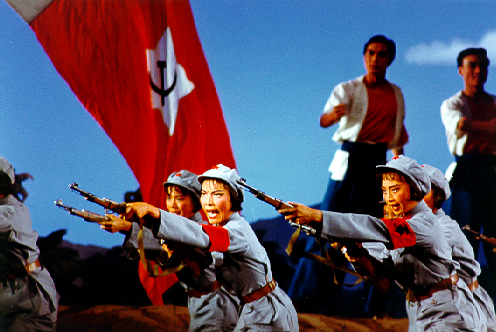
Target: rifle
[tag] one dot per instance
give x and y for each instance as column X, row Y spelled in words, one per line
column 367, row 270
column 489, row 240
column 276, row 203
column 86, row 215
column 108, row 204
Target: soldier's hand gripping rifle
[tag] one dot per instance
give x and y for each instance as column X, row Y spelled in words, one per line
column 108, row 204
column 489, row 240
column 276, row 203
column 86, row 215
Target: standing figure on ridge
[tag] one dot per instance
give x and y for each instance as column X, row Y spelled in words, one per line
column 370, row 111
column 469, row 118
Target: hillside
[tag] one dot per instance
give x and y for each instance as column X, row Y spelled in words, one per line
column 114, row 318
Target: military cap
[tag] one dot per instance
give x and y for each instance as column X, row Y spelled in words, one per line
column 409, row 168
column 437, row 177
column 227, row 175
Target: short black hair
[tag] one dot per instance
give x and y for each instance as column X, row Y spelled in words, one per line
column 234, row 196
column 391, row 46
column 439, row 196
column 6, row 185
column 415, row 192
column 471, row 51
column 186, row 192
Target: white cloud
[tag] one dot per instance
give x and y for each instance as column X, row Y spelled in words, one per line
column 441, row 53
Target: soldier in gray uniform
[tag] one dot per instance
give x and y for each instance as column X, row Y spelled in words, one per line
column 210, row 306
column 242, row 264
column 28, row 299
column 422, row 261
column 463, row 252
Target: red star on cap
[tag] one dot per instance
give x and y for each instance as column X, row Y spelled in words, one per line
column 394, row 158
column 178, row 174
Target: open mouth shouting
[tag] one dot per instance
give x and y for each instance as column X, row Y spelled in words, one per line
column 216, row 202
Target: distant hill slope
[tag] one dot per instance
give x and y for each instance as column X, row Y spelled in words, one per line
column 169, row 318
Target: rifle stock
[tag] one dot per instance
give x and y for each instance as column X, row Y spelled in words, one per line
column 108, row 204
column 275, row 202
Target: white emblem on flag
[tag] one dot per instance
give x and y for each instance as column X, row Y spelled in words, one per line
column 168, row 80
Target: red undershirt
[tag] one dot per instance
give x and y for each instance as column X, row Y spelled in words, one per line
column 380, row 120
column 481, row 142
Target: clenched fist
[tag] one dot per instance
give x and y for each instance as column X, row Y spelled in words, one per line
column 142, row 213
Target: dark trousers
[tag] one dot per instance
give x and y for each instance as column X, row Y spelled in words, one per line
column 359, row 191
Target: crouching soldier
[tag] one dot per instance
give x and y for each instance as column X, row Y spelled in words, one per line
column 420, row 254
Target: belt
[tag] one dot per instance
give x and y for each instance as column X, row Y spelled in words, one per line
column 21, row 272
column 442, row 285
column 472, row 286
column 32, row 266
column 364, row 146
column 259, row 293
column 205, row 290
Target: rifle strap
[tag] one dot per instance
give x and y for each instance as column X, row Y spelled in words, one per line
column 324, row 260
column 153, row 269
column 292, row 241
column 331, row 263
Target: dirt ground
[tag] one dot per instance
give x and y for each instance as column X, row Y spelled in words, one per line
column 114, row 318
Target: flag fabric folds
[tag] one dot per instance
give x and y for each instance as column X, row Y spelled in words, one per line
column 138, row 68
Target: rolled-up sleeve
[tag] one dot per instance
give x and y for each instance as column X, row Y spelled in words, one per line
column 452, row 110
column 340, row 95
column 450, row 116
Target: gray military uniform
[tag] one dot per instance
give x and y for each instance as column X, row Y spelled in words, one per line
column 242, row 269
column 468, row 270
column 469, row 267
column 215, row 311
column 28, row 302
column 417, row 267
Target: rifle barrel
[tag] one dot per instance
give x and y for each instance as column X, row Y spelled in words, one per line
column 275, row 202
column 86, row 215
column 306, row 228
column 105, row 202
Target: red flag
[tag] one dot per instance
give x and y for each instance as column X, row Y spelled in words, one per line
column 155, row 287
column 138, row 67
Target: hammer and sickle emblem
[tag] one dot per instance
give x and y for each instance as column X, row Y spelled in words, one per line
column 163, row 91
column 402, row 229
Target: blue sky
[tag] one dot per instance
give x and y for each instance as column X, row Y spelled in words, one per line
column 274, row 64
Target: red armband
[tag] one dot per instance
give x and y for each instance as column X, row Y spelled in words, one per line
column 401, row 233
column 219, row 237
